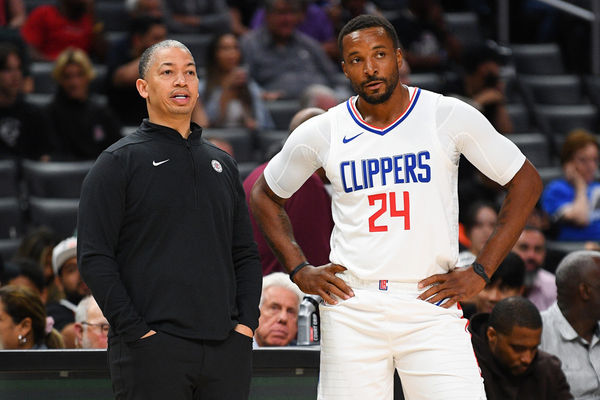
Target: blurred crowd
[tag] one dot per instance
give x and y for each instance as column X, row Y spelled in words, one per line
column 67, row 91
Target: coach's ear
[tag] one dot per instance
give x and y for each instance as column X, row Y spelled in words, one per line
column 142, row 87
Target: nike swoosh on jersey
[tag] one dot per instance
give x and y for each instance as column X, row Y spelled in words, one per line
column 156, row 164
column 352, row 138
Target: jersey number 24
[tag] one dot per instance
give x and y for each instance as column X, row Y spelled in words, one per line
column 382, row 199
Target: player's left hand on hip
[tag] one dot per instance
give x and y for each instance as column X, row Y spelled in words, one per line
column 457, row 285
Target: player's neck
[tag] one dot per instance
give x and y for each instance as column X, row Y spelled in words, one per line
column 381, row 115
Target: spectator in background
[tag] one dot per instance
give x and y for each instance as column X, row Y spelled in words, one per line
column 282, row 60
column 507, row 281
column 428, row 46
column 318, row 96
column 573, row 201
column 197, row 16
column 91, row 326
column 64, row 262
column 23, row 322
column 309, row 210
column 23, row 132
column 122, row 63
column 231, row 98
column 50, row 29
column 37, row 246
column 314, row 22
column 279, row 306
column 241, row 13
column 572, row 324
column 506, row 345
column 12, row 14
column 25, row 273
column 483, row 88
column 341, row 12
column 540, row 287
column 479, row 223
column 136, row 8
column 82, row 126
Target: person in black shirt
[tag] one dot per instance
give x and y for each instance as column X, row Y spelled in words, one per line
column 83, row 127
column 166, row 246
column 22, row 128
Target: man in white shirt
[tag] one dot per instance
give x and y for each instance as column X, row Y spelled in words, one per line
column 390, row 293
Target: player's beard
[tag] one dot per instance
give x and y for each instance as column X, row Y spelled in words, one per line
column 389, row 83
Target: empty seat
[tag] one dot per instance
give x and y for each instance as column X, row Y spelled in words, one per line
column 427, row 81
column 55, row 179
column 58, row 214
column 520, row 118
column 39, row 99
column 11, row 218
column 246, row 167
column 270, row 142
column 8, row 178
column 592, row 88
column 113, row 15
column 197, row 43
column 41, row 72
column 563, row 119
column 465, row 26
column 240, row 139
column 535, row 147
column 8, row 248
column 549, row 174
column 538, row 59
column 282, row 112
column 554, row 89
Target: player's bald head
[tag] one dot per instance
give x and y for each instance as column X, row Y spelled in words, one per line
column 304, row 115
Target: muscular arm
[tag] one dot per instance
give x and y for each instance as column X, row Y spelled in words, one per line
column 523, row 191
column 274, row 222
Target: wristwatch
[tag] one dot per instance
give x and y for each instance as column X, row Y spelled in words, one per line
column 479, row 270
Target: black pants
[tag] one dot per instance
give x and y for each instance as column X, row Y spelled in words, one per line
column 163, row 366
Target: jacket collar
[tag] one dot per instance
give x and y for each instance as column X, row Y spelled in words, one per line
column 166, row 133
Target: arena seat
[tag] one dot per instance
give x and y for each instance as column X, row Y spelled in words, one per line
column 539, row 59
column 41, row 72
column 564, row 118
column 113, row 15
column 554, row 89
column 465, row 26
column 246, row 167
column 8, row 178
column 197, row 43
column 520, row 118
column 592, row 88
column 60, row 180
column 240, row 139
column 282, row 112
column 270, row 142
column 8, row 248
column 535, row 147
column 58, row 214
column 427, row 81
column 11, row 218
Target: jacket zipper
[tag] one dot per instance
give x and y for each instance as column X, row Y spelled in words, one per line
column 196, row 195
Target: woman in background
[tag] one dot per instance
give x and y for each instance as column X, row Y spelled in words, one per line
column 23, row 323
column 230, row 98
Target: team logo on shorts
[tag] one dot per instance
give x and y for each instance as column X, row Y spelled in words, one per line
column 383, row 285
column 217, row 166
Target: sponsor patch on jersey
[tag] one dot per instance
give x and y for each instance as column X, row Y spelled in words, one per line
column 217, row 166
column 383, row 285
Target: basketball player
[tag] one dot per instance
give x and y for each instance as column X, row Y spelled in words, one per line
column 391, row 290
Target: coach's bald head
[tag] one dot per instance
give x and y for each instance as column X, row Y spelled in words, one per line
column 304, row 115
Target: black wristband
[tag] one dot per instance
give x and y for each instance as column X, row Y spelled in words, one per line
column 298, row 268
column 479, row 270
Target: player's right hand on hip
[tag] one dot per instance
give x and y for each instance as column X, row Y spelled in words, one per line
column 323, row 281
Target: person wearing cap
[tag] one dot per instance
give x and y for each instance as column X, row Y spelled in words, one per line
column 68, row 279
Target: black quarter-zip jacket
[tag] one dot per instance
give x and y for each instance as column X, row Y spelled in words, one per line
column 164, row 237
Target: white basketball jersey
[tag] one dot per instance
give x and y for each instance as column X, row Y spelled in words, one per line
column 395, row 201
